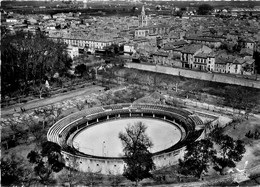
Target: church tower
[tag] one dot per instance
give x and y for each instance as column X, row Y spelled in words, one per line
column 85, row 3
column 143, row 18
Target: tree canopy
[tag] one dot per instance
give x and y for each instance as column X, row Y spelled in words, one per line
column 14, row 171
column 257, row 61
column 30, row 59
column 137, row 157
column 47, row 161
column 81, row 69
column 230, row 150
column 204, row 9
column 218, row 150
column 197, row 158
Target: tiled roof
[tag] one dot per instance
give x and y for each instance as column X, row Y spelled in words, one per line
column 160, row 54
column 191, row 48
column 201, row 55
column 203, row 39
column 173, row 45
column 140, row 40
column 221, row 61
column 178, row 43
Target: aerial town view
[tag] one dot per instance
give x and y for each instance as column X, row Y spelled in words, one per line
column 130, row 93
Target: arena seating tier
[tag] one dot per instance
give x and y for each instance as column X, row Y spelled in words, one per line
column 61, row 131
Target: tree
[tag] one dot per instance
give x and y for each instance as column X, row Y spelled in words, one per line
column 197, row 159
column 256, row 56
column 15, row 172
column 10, row 170
column 138, row 158
column 133, row 9
column 230, row 152
column 204, row 9
column 112, row 50
column 47, row 161
column 81, row 69
column 35, row 129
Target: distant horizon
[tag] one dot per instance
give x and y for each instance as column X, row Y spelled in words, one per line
column 145, row 0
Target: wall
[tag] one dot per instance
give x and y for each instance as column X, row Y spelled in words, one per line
column 94, row 165
column 196, row 74
column 214, row 108
column 116, row 166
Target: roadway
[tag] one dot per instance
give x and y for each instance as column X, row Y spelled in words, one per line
column 7, row 111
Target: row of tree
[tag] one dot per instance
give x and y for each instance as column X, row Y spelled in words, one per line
column 28, row 60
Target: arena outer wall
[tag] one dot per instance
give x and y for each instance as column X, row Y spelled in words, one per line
column 63, row 131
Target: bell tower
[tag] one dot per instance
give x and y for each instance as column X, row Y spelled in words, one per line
column 143, row 18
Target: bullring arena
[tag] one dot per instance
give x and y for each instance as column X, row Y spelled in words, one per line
column 90, row 143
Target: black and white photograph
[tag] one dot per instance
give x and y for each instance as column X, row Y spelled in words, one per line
column 124, row 93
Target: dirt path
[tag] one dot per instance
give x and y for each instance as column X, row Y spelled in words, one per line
column 47, row 101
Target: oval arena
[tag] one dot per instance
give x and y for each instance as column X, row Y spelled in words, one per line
column 90, row 143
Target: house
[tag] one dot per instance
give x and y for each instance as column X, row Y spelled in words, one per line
column 211, row 42
column 129, row 49
column 220, row 66
column 11, row 20
column 246, row 52
column 32, row 21
column 141, row 32
column 250, row 44
column 172, row 45
column 204, row 61
column 234, row 65
column 141, row 42
column 154, row 29
column 73, row 51
column 244, row 66
column 92, row 45
column 233, row 36
column 249, row 67
column 162, row 58
column 188, row 53
column 224, row 62
column 59, row 15
column 173, row 48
